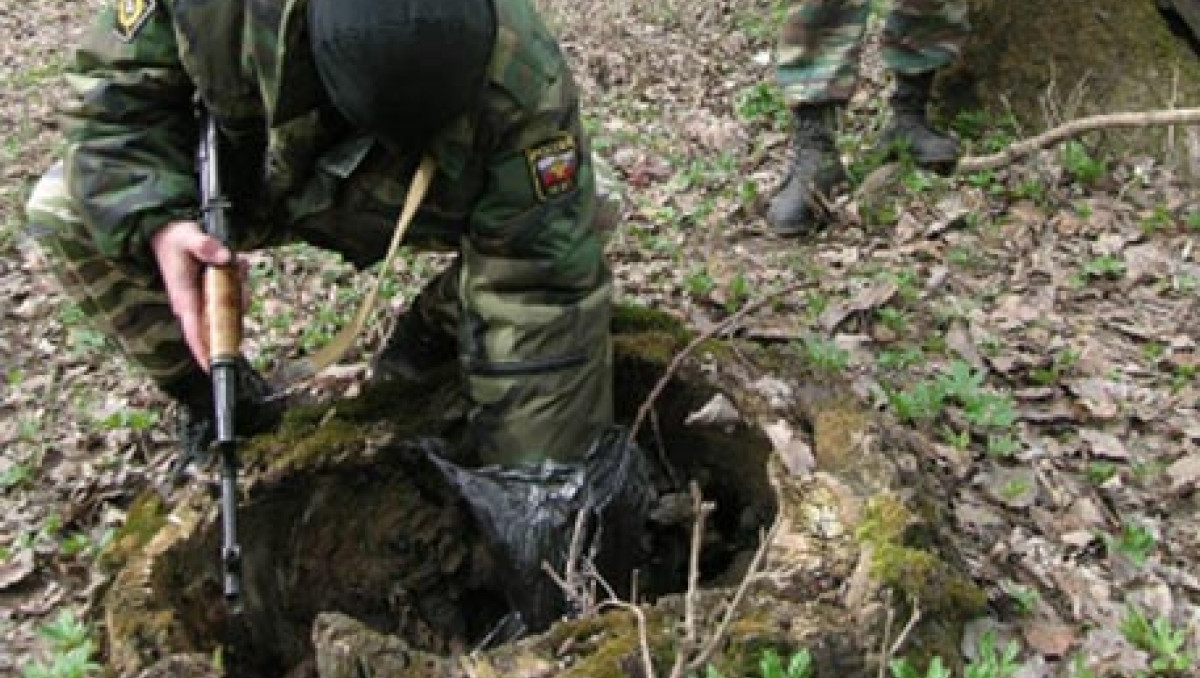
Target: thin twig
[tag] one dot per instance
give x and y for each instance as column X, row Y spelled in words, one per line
column 1180, row 116
column 731, row 611
column 884, row 656
column 912, row 622
column 643, row 635
column 711, row 332
column 689, row 642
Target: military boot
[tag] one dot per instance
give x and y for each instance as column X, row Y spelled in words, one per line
column 413, row 351
column 257, row 411
column 910, row 132
column 800, row 205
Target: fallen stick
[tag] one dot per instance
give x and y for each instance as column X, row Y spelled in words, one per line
column 1180, row 116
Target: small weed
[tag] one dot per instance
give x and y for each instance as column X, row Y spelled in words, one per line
column 1083, row 166
column 764, row 102
column 1059, row 366
column 1159, row 219
column 133, row 419
column 959, row 440
column 816, row 303
column 1104, row 266
column 917, row 181
column 1002, row 446
column 771, row 665
column 15, row 475
column 699, row 283
column 899, row 359
column 70, row 649
column 1160, row 639
column 1192, row 220
column 1135, row 541
column 1100, row 472
column 901, row 668
column 894, row 319
column 923, row 402
column 1025, row 598
column 1182, row 376
column 825, row 354
column 739, row 292
column 992, row 662
column 1080, row 669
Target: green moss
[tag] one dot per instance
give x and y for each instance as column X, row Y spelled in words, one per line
column 318, row 434
column 916, row 572
column 631, row 319
column 146, row 515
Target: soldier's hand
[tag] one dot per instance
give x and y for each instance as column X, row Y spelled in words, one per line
column 183, row 250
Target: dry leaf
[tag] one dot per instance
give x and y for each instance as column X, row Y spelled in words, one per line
column 794, row 452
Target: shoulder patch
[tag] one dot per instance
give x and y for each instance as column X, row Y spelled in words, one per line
column 131, row 15
column 553, row 166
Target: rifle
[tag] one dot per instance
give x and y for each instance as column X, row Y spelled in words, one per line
column 223, row 309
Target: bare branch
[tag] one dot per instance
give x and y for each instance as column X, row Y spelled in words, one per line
column 1181, row 116
column 719, row 328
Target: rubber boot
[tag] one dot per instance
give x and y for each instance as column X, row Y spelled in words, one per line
column 910, row 132
column 800, row 205
column 412, row 352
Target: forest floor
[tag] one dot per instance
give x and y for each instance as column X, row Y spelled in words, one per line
column 1038, row 325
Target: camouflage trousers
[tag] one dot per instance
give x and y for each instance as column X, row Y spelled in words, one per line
column 535, row 350
column 821, row 42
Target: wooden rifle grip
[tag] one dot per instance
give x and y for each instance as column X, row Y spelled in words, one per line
column 223, row 299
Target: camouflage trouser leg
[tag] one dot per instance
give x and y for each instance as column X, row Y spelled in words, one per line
column 537, row 365
column 129, row 306
column 924, row 35
column 821, row 43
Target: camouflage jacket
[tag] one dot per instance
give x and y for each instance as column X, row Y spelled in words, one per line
column 132, row 128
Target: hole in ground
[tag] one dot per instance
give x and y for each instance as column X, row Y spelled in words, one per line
column 380, row 537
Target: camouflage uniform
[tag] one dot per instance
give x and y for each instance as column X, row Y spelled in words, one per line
column 819, row 49
column 526, row 302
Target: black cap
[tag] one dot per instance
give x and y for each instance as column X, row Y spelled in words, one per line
column 402, row 69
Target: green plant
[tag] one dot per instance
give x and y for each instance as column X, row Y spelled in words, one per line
column 902, row 668
column 1025, row 598
column 132, row 418
column 71, row 649
column 739, row 292
column 1103, row 266
column 1135, row 541
column 1079, row 161
column 1160, row 639
column 763, row 102
column 699, row 282
column 1192, row 220
column 894, row 319
column 959, row 440
column 990, row 410
column 923, row 402
column 1062, row 363
column 1159, row 219
column 1080, row 669
column 825, row 354
column 1002, row 446
column 15, row 475
column 898, row 359
column 992, row 662
column 771, row 665
column 1099, row 472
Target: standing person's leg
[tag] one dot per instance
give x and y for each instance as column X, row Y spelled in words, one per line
column 817, row 69
column 919, row 37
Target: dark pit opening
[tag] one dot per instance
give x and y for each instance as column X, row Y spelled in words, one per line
column 380, row 537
